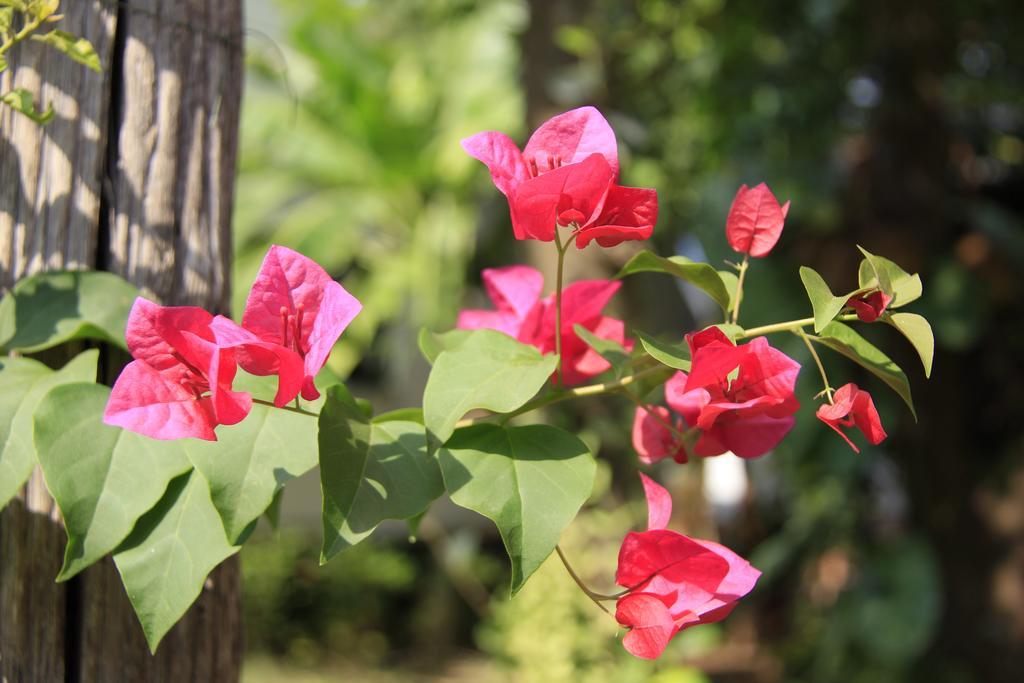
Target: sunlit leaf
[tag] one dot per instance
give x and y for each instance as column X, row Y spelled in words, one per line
column 904, row 287
column 433, row 343
column 165, row 560
column 826, row 305
column 75, row 47
column 21, row 100
column 48, row 309
column 488, row 370
column 530, row 481
column 23, row 383
column 701, row 275
column 919, row 333
column 673, row 354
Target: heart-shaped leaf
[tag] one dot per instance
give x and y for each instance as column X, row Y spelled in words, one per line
column 904, row 286
column 23, row 383
column 530, row 481
column 164, row 562
column 103, row 478
column 488, row 370
column 825, row 304
column 51, row 308
column 919, row 333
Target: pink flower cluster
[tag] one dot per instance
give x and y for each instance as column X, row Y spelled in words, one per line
column 185, row 359
column 520, row 312
column 673, row 581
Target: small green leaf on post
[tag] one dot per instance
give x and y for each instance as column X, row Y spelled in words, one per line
column 23, row 384
column 103, row 478
column 75, row 47
column 845, row 340
column 530, row 481
column 673, row 354
column 919, row 333
column 165, row 560
column 826, row 305
column 700, row 275
column 21, row 100
column 488, row 370
column 48, row 309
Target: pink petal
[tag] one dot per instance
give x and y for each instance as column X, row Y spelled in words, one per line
column 646, row 555
column 659, row 503
column 650, row 624
column 514, row 289
column 258, row 357
column 629, row 213
column 576, row 191
column 491, row 320
column 501, row 156
column 766, row 371
column 153, row 335
column 572, row 137
column 147, row 402
column 748, row 437
column 336, row 311
column 590, row 362
column 651, row 438
column 713, row 358
column 755, row 221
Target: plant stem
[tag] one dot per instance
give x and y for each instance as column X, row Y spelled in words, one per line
column 817, row 361
column 789, row 326
column 21, row 35
column 595, row 597
column 739, row 289
column 558, row 301
column 578, row 392
column 292, row 409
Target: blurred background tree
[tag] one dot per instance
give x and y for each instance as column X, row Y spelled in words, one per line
column 898, row 126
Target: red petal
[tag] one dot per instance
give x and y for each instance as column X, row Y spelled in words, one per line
column 651, row 438
column 851, row 405
column 572, row 137
column 650, row 623
column 747, row 436
column 537, row 203
column 262, row 358
column 147, row 402
column 501, row 156
column 871, row 306
column 755, row 221
column 647, row 554
column 659, row 503
column 629, row 213
column 154, row 336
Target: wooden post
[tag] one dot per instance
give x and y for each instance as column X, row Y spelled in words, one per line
column 135, row 175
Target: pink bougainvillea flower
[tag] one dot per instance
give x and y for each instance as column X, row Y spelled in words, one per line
column 853, row 407
column 870, row 306
column 521, row 313
column 673, row 581
column 294, row 303
column 755, row 221
column 653, row 440
column 566, row 176
column 741, row 397
column 179, row 384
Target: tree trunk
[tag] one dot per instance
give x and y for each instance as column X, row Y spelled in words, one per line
column 135, row 175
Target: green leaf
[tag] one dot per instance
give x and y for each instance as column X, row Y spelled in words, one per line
column 825, row 304
column 21, row 100
column 78, row 49
column 609, row 349
column 488, row 370
column 23, row 383
column 673, row 354
column 164, row 562
column 904, row 287
column 398, row 481
column 48, row 309
column 42, row 9
column 878, row 274
column 730, row 330
column 700, row 275
column 103, row 478
column 401, row 415
column 253, row 460
column 433, row 343
column 842, row 338
column 530, row 481
column 732, row 282
column 919, row 333
column 343, row 438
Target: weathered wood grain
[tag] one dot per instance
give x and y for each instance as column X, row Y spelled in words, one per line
column 135, row 175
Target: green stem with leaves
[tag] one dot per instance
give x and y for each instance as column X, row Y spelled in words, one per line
column 817, row 361
column 788, row 326
column 26, row 30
